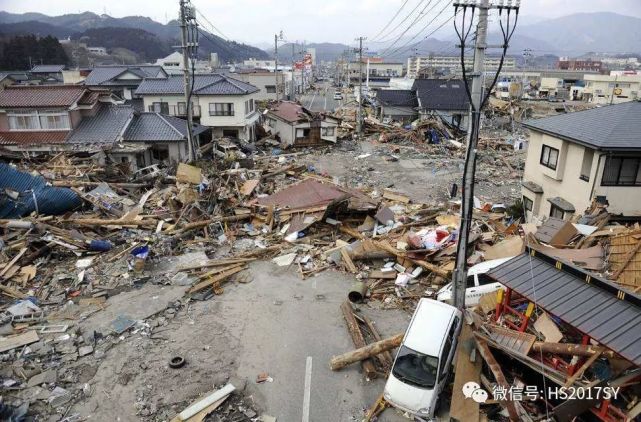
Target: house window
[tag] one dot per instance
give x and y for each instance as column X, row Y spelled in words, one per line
column 221, row 109
column 160, row 153
column 160, row 107
column 556, row 212
column 249, row 106
column 182, row 109
column 527, row 204
column 302, row 133
column 622, row 171
column 39, row 120
column 271, row 89
column 549, row 157
column 586, row 166
column 327, row 131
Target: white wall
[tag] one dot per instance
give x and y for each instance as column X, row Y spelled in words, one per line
column 566, row 181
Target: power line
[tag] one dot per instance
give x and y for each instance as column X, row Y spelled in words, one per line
column 414, row 23
column 223, row 36
column 391, row 20
column 398, row 49
column 401, row 22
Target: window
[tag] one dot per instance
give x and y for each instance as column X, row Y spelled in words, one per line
column 556, row 212
column 549, row 157
column 271, row 89
column 160, row 107
column 622, row 171
column 249, row 106
column 586, row 166
column 182, row 109
column 327, row 131
column 221, row 109
column 302, row 133
column 415, row 368
column 39, row 120
column 160, row 153
column 527, row 204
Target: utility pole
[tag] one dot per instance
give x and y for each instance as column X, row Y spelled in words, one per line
column 477, row 98
column 293, row 92
column 359, row 123
column 187, row 19
column 276, row 63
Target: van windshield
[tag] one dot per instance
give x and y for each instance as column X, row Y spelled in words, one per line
column 415, row 368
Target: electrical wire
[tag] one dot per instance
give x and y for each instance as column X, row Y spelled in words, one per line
column 401, row 22
column 404, row 49
column 225, row 37
column 421, row 15
column 391, row 20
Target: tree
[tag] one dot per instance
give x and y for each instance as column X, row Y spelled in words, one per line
column 21, row 52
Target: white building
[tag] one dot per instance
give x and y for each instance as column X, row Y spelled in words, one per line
column 612, row 89
column 416, row 65
column 265, row 82
column 579, row 157
column 99, row 51
column 261, row 64
column 173, row 64
column 225, row 104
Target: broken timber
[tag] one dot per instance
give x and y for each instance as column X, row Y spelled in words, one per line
column 357, row 337
column 341, row 361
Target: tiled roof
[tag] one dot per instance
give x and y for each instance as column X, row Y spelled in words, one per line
column 33, row 138
column 40, row 96
column 612, row 127
column 104, row 75
column 441, row 94
column 397, row 97
column 208, row 84
column 47, row 68
column 150, row 127
column 105, row 127
column 290, row 111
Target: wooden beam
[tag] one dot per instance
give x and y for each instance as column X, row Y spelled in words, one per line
column 348, row 261
column 627, row 260
column 582, row 369
column 357, row 337
column 486, row 353
column 216, row 279
column 341, row 361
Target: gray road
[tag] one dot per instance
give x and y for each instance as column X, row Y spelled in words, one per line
column 322, row 99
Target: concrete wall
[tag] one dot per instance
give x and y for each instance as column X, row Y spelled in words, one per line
column 566, row 182
column 261, row 81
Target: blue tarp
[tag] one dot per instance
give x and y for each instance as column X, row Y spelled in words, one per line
column 33, row 194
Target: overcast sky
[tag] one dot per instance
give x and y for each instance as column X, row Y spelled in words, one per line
column 256, row 21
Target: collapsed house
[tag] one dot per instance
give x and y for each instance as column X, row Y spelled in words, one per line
column 295, row 126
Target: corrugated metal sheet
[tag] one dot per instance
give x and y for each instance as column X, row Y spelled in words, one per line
column 589, row 303
column 32, row 195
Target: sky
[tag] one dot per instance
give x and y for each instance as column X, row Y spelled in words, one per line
column 256, row 21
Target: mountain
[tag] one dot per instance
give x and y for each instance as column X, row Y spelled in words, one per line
column 80, row 25
column 584, row 32
column 146, row 45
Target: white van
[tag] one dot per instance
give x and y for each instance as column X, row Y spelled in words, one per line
column 423, row 361
column 478, row 283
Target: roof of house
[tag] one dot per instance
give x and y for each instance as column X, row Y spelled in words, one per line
column 397, row 97
column 612, row 127
column 106, row 75
column 43, row 96
column 104, row 127
column 33, row 138
column 290, row 111
column 592, row 305
column 204, row 84
column 47, row 68
column 150, row 127
column 441, row 94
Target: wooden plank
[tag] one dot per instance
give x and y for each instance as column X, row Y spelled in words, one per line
column 357, row 337
column 348, row 261
column 387, row 356
column 626, row 260
column 582, row 369
column 9, row 343
column 215, row 279
column 248, row 187
column 463, row 409
column 486, row 353
column 395, row 196
column 188, row 174
column 12, row 262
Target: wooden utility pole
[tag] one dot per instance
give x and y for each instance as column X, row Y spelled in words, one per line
column 341, row 361
column 187, row 21
column 359, row 123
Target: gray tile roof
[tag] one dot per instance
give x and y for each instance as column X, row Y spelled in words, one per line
column 47, row 68
column 397, row 97
column 441, row 94
column 154, row 127
column 209, row 84
column 613, row 127
column 105, row 127
column 591, row 304
column 105, row 75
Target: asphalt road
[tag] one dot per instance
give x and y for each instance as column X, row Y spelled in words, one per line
column 322, row 99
